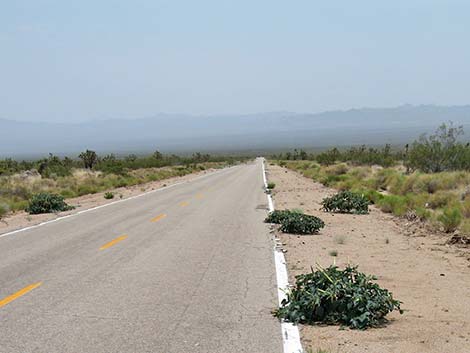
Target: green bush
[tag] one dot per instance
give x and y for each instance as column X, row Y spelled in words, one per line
column 47, row 203
column 271, row 185
column 108, row 195
column 346, row 202
column 332, row 296
column 295, row 222
column 4, row 209
column 450, row 219
column 298, row 223
column 398, row 205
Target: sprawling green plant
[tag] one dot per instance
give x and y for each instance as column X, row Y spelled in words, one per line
column 278, row 216
column 298, row 223
column 47, row 203
column 295, row 221
column 346, row 202
column 271, row 185
column 108, row 195
column 333, row 296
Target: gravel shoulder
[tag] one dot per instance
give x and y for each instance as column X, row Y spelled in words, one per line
column 430, row 278
column 22, row 219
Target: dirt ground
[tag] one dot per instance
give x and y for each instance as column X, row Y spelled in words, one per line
column 22, row 219
column 430, row 278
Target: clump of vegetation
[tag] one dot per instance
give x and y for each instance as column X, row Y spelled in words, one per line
column 346, row 202
column 332, row 296
column 271, row 185
column 395, row 204
column 4, row 209
column 450, row 219
column 278, row 216
column 295, row 222
column 299, row 223
column 47, row 203
column 108, row 195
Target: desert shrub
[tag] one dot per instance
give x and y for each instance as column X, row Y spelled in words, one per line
column 372, row 195
column 271, row 185
column 450, row 218
column 298, row 223
column 346, row 202
column 278, row 216
column 440, row 151
column 466, row 208
column 423, row 213
column 333, row 296
column 395, row 204
column 4, row 209
column 47, row 203
column 338, row 169
column 108, row 195
column 440, row 199
column 295, row 221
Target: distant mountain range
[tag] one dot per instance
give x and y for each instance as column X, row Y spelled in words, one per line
column 267, row 131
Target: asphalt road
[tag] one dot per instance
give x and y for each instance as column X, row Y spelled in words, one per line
column 186, row 269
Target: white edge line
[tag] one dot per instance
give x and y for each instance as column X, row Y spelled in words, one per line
column 290, row 332
column 112, row 203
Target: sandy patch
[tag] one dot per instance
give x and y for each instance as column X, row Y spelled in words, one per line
column 22, row 219
column 430, row 278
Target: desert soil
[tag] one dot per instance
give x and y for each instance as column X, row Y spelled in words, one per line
column 430, row 278
column 22, row 219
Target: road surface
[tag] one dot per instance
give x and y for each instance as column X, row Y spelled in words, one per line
column 185, row 269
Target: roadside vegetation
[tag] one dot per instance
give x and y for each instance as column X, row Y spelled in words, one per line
column 346, row 202
column 22, row 182
column 429, row 180
column 333, row 296
column 295, row 222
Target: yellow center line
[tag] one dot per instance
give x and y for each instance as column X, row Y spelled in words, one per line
column 199, row 196
column 159, row 217
column 112, row 242
column 184, row 204
column 18, row 294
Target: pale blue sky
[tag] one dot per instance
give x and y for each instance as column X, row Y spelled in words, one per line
column 64, row 61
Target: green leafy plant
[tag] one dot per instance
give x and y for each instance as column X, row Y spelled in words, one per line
column 278, row 216
column 333, row 296
column 271, row 185
column 346, row 202
column 108, row 195
column 295, row 221
column 47, row 203
column 450, row 219
column 298, row 223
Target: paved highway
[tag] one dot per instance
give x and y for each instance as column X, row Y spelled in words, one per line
column 185, row 269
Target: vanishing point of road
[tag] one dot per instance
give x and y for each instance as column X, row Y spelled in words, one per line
column 186, row 269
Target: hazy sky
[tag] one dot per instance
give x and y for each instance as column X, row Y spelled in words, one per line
column 80, row 60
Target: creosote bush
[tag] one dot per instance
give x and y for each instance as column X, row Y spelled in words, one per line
column 47, row 203
column 332, row 296
column 295, row 222
column 346, row 202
